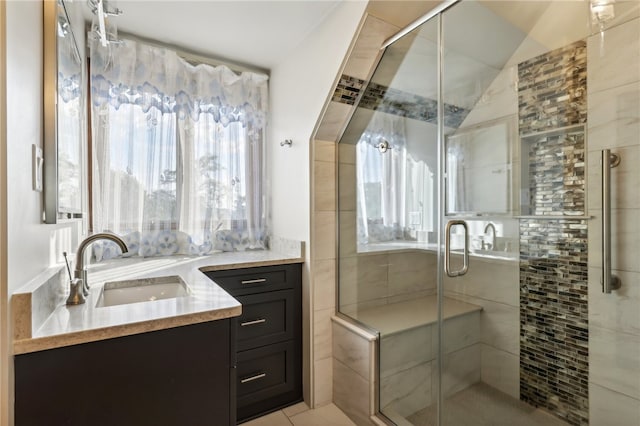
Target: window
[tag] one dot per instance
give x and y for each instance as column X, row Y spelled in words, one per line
column 177, row 153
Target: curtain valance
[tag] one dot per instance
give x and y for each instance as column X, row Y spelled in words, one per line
column 152, row 77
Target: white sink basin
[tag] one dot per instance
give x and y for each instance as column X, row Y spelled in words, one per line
column 142, row 290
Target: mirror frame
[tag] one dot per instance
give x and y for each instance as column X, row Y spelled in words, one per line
column 52, row 211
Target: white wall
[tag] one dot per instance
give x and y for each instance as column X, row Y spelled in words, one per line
column 299, row 88
column 33, row 246
column 4, row 318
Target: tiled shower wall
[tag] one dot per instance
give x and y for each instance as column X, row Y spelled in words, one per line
column 614, row 319
column 554, row 367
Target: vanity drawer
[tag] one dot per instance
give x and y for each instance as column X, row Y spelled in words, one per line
column 266, row 318
column 268, row 378
column 256, row 280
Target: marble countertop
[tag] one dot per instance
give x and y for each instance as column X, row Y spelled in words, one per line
column 70, row 325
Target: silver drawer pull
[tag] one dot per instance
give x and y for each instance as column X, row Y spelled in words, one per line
column 256, row 281
column 252, row 378
column 258, row 321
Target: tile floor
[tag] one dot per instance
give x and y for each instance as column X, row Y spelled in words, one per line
column 301, row 415
column 482, row 405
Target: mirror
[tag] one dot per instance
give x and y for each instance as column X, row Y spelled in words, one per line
column 479, row 163
column 63, row 116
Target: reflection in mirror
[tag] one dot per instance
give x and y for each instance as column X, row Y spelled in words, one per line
column 479, row 168
column 63, row 103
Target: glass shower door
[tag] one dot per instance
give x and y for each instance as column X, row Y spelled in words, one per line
column 473, row 131
column 388, row 206
column 516, row 331
column 479, row 315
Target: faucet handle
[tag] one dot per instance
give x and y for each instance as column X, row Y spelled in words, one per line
column 76, row 293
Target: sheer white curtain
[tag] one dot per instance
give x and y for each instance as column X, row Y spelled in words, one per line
column 381, row 178
column 177, row 153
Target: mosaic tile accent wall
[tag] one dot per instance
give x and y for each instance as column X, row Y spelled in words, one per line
column 397, row 102
column 348, row 90
column 554, row 333
column 552, row 89
column 554, row 355
column 556, row 173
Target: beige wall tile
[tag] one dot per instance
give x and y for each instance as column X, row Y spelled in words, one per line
column 372, row 267
column 352, row 350
column 425, row 262
column 324, row 284
column 619, row 309
column 407, row 391
column 323, row 245
column 459, row 332
column 410, row 296
column 363, row 279
column 333, row 121
column 625, row 239
column 347, row 153
column 322, row 335
column 410, row 282
column 351, row 393
column 324, row 201
column 398, row 351
column 324, row 151
column 610, row 408
column 374, row 32
column 499, row 325
column 501, row 370
column 323, row 382
column 613, row 117
column 614, row 360
column 324, row 174
column 492, row 280
column 347, row 187
column 461, row 369
column 614, row 60
column 348, row 239
column 625, row 178
column 324, row 186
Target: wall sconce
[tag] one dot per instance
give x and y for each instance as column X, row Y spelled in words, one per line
column 602, row 11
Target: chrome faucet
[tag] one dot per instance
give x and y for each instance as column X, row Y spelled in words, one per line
column 79, row 284
column 493, row 238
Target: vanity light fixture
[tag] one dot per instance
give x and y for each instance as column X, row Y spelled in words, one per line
column 104, row 28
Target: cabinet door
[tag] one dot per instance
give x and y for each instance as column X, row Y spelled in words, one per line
column 241, row 282
column 266, row 318
column 178, row 376
column 268, row 378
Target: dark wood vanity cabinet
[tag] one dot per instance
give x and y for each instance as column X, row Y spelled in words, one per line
column 178, row 376
column 268, row 336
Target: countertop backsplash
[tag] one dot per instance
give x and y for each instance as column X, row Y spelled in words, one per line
column 41, row 296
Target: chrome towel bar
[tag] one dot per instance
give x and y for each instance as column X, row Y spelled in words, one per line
column 609, row 281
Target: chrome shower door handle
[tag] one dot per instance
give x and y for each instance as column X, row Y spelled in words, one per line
column 447, row 249
column 609, row 281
